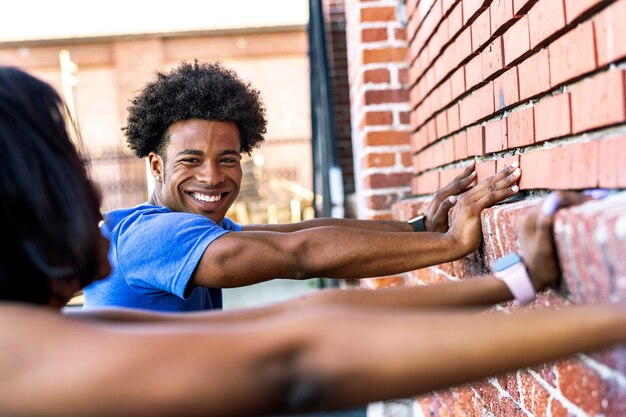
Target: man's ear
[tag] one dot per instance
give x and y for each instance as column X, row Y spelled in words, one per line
column 157, row 166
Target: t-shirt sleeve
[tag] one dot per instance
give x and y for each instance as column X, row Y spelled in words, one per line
column 228, row 224
column 159, row 252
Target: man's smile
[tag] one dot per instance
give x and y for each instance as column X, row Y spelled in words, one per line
column 206, row 198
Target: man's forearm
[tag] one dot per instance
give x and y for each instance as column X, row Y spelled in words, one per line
column 374, row 225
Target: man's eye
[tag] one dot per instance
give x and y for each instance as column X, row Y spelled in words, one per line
column 190, row 160
column 229, row 161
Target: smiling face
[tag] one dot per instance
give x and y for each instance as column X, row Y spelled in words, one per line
column 201, row 172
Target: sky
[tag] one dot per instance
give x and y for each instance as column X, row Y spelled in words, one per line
column 57, row 19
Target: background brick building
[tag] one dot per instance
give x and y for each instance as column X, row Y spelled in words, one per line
column 436, row 84
column 117, row 47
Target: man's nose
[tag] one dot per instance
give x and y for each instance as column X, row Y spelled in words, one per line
column 210, row 173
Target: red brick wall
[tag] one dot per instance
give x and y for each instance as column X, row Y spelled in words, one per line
column 377, row 66
column 541, row 82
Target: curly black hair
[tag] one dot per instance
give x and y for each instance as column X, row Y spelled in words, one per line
column 206, row 91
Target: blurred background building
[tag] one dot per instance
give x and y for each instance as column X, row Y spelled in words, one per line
column 99, row 54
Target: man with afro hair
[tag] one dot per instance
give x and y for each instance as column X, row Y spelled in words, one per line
column 176, row 252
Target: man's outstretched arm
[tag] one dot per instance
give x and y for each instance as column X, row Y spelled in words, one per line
column 537, row 248
column 245, row 258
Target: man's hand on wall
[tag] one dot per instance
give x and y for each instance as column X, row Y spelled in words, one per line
column 440, row 205
column 466, row 227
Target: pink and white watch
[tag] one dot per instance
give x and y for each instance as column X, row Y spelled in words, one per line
column 512, row 271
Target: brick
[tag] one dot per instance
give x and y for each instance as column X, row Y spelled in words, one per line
column 447, row 176
column 444, row 93
column 370, row 56
column 378, row 14
column 403, row 76
column 475, row 141
column 516, row 40
column 575, row 8
column 404, row 117
column 462, row 46
column 386, row 96
column 552, row 117
column 457, row 82
column 460, row 145
column 545, row 18
column 612, row 153
column 400, row 179
column 373, row 160
column 492, row 58
column 573, row 54
column 374, row 35
column 477, row 105
column 455, row 21
column 431, row 130
column 534, row 75
column 470, row 7
column 505, row 89
column 565, row 167
column 505, row 162
column 405, row 159
column 496, row 136
column 380, row 202
column 386, row 138
column 371, row 118
column 485, row 170
column 376, row 76
column 399, row 34
column 520, row 128
column 610, row 32
column 447, row 151
column 598, row 101
column 454, row 123
column 501, row 12
column 481, row 30
column 474, row 72
column 441, row 124
column 426, row 183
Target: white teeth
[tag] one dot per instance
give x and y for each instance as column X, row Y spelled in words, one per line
column 206, row 198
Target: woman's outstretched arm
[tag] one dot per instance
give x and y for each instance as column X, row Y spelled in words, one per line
column 318, row 358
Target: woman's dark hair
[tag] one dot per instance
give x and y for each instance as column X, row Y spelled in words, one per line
column 194, row 91
column 49, row 210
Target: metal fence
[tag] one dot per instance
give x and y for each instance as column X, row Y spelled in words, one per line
column 121, row 177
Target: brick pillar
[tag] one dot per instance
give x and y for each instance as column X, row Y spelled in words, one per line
column 335, row 20
column 377, row 67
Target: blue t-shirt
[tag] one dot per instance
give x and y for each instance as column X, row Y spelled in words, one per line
column 153, row 254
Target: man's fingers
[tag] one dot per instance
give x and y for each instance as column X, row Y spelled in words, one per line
column 441, row 215
column 506, row 178
column 461, row 182
column 495, row 196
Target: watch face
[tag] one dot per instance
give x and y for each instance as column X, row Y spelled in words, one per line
column 506, row 262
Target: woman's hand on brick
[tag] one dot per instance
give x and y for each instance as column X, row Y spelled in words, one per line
column 465, row 227
column 440, row 205
column 537, row 239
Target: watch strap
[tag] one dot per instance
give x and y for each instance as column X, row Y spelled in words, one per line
column 516, row 278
